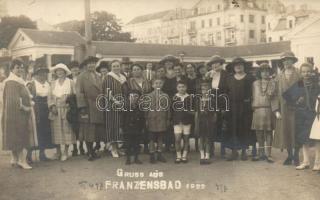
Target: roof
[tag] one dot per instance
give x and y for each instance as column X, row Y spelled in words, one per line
column 67, row 38
column 148, row 17
column 159, row 50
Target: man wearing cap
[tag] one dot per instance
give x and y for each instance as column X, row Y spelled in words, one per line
column 126, row 67
column 285, row 126
column 89, row 87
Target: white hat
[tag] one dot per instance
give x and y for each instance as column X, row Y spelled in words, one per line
column 61, row 66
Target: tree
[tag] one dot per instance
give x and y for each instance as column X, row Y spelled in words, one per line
column 9, row 26
column 105, row 26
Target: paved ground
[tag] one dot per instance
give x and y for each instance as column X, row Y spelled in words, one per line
column 79, row 179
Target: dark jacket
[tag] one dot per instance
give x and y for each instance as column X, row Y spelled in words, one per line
column 170, row 85
column 133, row 122
column 181, row 110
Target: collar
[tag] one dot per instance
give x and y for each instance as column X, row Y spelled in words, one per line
column 121, row 78
column 13, row 77
column 182, row 97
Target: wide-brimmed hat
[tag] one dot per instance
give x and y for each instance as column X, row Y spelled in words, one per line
column 169, row 58
column 264, row 67
column 90, row 59
column 236, row 61
column 40, row 66
column 73, row 64
column 126, row 60
column 215, row 59
column 61, row 66
column 290, row 55
column 102, row 64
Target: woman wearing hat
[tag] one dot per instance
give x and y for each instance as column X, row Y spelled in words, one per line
column 39, row 89
column 169, row 61
column 218, row 78
column 60, row 90
column 263, row 93
column 239, row 92
column 18, row 130
column 285, row 126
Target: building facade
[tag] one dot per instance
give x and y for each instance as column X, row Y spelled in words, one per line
column 208, row 22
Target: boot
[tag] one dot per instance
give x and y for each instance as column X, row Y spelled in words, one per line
column 14, row 159
column 152, row 158
column 145, row 149
column 136, row 160
column 288, row 161
column 81, row 149
column 244, row 156
column 296, row 159
column 161, row 158
column 128, row 161
column 29, row 156
column 75, row 150
column 64, row 155
column 42, row 156
column 234, row 156
column 22, row 162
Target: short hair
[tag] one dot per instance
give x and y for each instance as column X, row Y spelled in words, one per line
column 193, row 65
column 178, row 65
column 182, row 82
column 306, row 65
column 114, row 61
column 104, row 64
column 157, row 79
column 15, row 62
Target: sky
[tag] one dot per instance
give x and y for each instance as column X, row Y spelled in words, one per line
column 56, row 11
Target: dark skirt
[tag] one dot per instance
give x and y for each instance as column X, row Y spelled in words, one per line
column 303, row 124
column 43, row 123
column 90, row 132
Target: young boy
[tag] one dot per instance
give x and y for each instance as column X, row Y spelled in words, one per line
column 133, row 126
column 205, row 120
column 157, row 119
column 182, row 120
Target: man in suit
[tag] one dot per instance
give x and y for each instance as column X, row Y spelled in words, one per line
column 88, row 88
column 126, row 67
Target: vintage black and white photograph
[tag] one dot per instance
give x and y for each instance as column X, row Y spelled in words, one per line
column 162, row 100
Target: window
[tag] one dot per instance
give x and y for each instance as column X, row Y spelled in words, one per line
column 290, row 24
column 281, row 38
column 270, row 39
column 263, row 36
column 241, row 18
column 251, row 34
column 218, row 21
column 251, row 18
column 218, row 7
column 192, row 25
column 219, row 35
column 263, row 19
column 269, row 26
column 211, row 39
column 202, row 23
column 210, row 22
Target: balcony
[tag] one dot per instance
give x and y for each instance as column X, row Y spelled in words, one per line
column 192, row 31
column 230, row 41
column 229, row 25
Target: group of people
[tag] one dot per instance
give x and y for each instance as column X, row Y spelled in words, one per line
column 121, row 102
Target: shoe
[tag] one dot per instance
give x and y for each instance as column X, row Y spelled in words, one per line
column 303, row 166
column 161, row 158
column 64, row 157
column 234, row 156
column 82, row 152
column 202, row 162
column 128, row 161
column 14, row 160
column 255, row 158
column 177, row 161
column 91, row 157
column 43, row 158
column 114, row 154
column 22, row 162
column 244, row 156
column 75, row 153
column 288, row 161
column 207, row 161
column 184, row 160
column 152, row 158
column 316, row 167
column 296, row 161
column 137, row 161
column 269, row 159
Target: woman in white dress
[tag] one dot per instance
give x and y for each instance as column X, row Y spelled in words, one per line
column 315, row 135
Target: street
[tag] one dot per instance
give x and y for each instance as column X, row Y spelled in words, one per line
column 79, row 179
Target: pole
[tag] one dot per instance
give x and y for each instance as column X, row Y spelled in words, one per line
column 88, row 29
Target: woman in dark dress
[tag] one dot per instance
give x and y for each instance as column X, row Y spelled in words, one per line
column 239, row 90
column 191, row 78
column 39, row 89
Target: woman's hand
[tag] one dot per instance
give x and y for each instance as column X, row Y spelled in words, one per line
column 278, row 115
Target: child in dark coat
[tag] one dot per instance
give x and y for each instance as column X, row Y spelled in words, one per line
column 133, row 124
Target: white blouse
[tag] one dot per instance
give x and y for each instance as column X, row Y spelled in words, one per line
column 42, row 90
column 62, row 89
column 215, row 79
